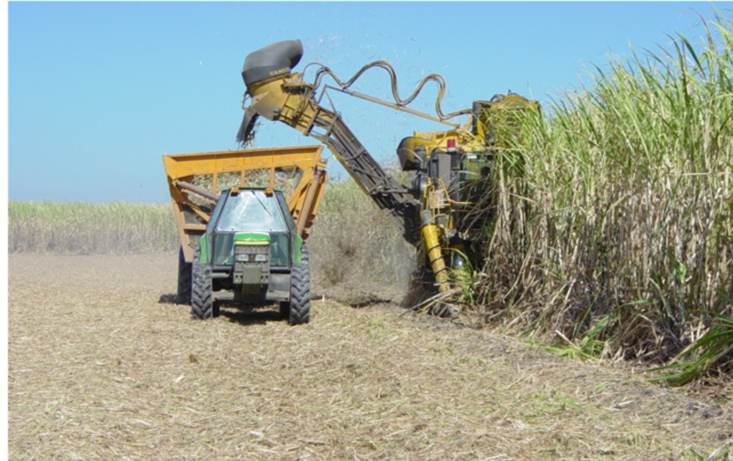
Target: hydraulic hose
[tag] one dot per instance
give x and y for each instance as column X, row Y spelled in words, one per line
column 437, row 78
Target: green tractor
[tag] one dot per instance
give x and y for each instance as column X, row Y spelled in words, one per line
column 252, row 248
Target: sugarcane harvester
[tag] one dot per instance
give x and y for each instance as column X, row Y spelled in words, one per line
column 443, row 212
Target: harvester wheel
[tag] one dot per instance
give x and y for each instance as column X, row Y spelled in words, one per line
column 183, row 296
column 202, row 299
column 300, row 295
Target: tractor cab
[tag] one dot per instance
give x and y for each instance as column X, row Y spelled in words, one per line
column 248, row 222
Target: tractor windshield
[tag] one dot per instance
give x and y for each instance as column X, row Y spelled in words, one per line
column 252, row 211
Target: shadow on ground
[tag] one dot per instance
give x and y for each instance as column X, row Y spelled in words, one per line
column 247, row 316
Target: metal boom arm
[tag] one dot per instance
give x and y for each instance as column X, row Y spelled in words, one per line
column 291, row 100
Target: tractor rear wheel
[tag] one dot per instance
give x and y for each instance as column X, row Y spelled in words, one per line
column 202, row 298
column 304, row 254
column 300, row 295
column 183, row 296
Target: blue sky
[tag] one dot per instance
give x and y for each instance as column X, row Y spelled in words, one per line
column 98, row 92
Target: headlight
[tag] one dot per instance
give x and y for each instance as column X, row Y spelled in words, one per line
column 251, row 257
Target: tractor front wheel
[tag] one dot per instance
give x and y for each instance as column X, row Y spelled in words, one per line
column 300, row 296
column 202, row 298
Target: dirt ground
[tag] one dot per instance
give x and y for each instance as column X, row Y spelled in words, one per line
column 103, row 366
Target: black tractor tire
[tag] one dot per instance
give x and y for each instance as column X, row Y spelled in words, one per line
column 299, row 309
column 304, row 254
column 183, row 295
column 202, row 298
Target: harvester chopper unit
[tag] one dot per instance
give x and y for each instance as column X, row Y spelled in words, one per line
column 444, row 212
